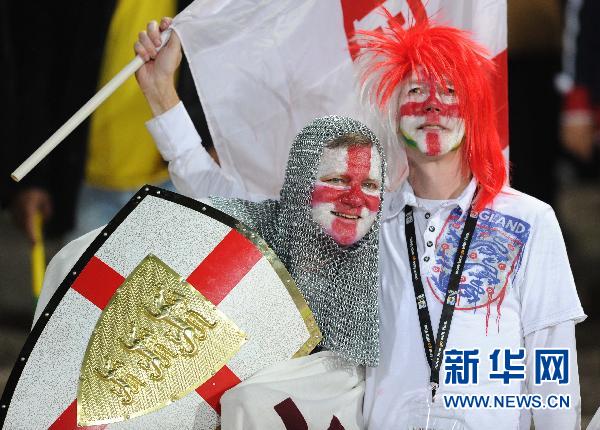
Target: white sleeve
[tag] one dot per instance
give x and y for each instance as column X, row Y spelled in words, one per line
column 193, row 171
column 547, row 288
column 559, row 336
column 59, row 267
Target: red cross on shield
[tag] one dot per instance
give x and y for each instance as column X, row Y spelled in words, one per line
column 172, row 303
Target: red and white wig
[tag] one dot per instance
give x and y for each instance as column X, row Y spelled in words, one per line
column 442, row 54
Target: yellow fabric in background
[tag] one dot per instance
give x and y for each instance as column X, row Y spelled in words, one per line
column 121, row 152
column 38, row 255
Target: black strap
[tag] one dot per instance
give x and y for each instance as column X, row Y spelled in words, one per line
column 434, row 350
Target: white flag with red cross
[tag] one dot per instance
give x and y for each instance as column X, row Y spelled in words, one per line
column 172, row 304
column 265, row 68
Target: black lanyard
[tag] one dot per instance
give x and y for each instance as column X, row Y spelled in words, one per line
column 435, row 350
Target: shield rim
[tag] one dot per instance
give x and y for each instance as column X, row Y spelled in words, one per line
column 154, row 191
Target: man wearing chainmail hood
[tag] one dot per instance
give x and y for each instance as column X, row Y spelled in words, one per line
column 325, row 230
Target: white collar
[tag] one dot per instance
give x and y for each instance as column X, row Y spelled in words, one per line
column 395, row 201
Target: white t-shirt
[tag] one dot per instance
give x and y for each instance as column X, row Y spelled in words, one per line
column 516, row 280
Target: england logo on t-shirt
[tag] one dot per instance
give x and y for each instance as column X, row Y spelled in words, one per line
column 494, row 258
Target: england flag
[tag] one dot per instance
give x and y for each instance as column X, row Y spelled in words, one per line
column 264, row 68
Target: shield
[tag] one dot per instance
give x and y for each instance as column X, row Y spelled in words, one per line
column 172, row 304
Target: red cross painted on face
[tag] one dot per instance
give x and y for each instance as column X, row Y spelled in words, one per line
column 346, row 196
column 429, row 116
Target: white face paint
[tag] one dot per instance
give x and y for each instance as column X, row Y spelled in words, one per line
column 429, row 116
column 345, row 198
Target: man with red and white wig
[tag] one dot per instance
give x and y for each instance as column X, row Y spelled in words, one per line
column 476, row 287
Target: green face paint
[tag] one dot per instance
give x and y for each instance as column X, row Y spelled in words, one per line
column 408, row 141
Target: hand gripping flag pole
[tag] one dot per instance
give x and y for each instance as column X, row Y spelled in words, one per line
column 79, row 116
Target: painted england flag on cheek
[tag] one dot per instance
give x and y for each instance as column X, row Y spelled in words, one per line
column 494, row 258
column 263, row 69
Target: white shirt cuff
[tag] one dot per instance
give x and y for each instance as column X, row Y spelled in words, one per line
column 174, row 132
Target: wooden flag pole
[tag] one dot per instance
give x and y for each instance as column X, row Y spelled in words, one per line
column 79, row 116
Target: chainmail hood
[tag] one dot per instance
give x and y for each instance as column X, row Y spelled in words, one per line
column 339, row 283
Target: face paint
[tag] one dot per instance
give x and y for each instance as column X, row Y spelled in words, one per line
column 429, row 117
column 345, row 199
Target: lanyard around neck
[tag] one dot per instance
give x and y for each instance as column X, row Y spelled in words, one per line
column 434, row 347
